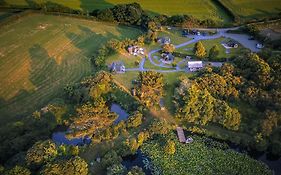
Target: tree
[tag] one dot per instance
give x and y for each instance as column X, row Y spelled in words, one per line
column 105, row 15
column 170, row 147
column 18, row 170
column 214, row 52
column 136, row 171
column 199, row 50
column 229, row 117
column 170, row 48
column 150, row 89
column 41, row 152
column 91, row 117
column 270, row 122
column 73, row 166
column 254, row 68
column 116, row 169
column 135, row 120
column 193, row 104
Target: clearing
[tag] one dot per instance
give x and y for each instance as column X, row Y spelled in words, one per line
column 40, row 54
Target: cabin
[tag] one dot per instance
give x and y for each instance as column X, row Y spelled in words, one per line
column 232, row 44
column 118, row 67
column 167, row 57
column 194, row 65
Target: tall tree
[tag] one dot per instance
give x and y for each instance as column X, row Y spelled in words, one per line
column 91, row 117
column 168, row 48
column 214, row 52
column 199, row 50
column 41, row 152
column 73, row 166
column 150, row 88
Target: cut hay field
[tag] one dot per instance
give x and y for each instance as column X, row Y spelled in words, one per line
column 201, row 9
column 40, row 54
column 253, row 9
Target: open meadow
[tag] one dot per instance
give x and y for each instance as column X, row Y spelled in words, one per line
column 253, row 9
column 40, row 54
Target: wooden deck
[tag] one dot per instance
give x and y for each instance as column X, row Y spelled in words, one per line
column 181, row 135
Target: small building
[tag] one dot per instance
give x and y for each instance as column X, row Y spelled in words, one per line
column 232, row 44
column 167, row 57
column 164, row 40
column 135, row 50
column 118, row 67
column 259, row 46
column 194, row 65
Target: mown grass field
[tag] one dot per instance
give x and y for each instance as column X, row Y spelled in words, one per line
column 253, row 9
column 40, row 54
column 208, row 44
column 199, row 8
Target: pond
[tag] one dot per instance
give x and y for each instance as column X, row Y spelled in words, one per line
column 122, row 114
column 59, row 135
column 137, row 159
column 60, row 138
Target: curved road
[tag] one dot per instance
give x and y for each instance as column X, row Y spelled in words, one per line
column 241, row 38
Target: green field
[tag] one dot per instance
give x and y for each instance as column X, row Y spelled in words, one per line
column 253, row 9
column 40, row 54
column 208, row 44
column 201, row 9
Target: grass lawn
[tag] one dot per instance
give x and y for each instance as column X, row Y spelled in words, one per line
column 253, row 9
column 210, row 43
column 128, row 60
column 175, row 36
column 199, row 8
column 40, row 54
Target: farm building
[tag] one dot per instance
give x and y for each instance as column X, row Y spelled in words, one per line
column 194, row 65
column 118, row 67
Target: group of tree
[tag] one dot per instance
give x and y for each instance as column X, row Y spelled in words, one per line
column 150, row 87
column 201, row 53
column 131, row 14
column 45, row 157
column 168, row 48
column 196, row 105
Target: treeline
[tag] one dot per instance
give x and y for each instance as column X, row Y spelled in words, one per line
column 129, row 14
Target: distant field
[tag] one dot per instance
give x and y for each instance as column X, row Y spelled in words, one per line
column 199, row 8
column 253, row 9
column 40, row 54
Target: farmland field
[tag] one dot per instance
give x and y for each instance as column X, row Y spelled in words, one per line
column 253, row 9
column 40, row 54
column 201, row 9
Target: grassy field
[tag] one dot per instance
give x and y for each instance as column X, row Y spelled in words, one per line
column 210, row 43
column 199, row 8
column 253, row 9
column 40, row 54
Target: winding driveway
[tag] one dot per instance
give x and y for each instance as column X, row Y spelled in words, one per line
column 241, row 38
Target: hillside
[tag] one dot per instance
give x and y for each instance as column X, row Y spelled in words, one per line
column 40, row 54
